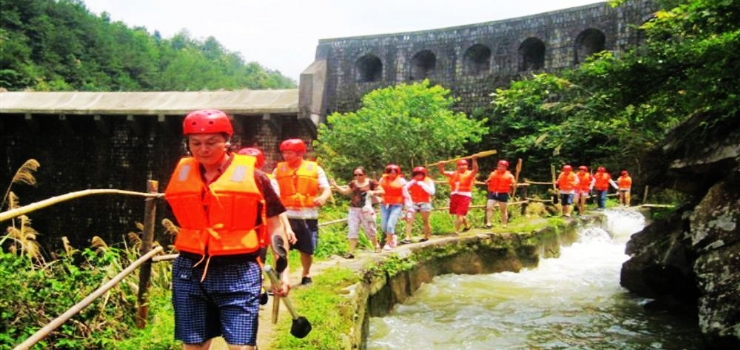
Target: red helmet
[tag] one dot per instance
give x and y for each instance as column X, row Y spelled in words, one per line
column 256, row 153
column 207, row 121
column 601, row 169
column 419, row 170
column 583, row 167
column 504, row 163
column 295, row 145
column 624, row 172
column 462, row 162
column 391, row 167
column 567, row 168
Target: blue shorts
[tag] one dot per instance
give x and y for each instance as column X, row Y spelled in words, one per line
column 307, row 234
column 225, row 304
column 566, row 199
column 498, row 196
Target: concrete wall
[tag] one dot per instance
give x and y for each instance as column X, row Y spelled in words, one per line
column 473, row 60
column 79, row 152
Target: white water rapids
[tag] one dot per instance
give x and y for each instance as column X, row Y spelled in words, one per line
column 571, row 302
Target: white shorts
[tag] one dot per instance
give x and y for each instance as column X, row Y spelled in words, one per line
column 419, row 207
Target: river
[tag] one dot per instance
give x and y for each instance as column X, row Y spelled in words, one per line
column 571, row 302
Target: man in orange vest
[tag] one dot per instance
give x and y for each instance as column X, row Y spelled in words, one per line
column 601, row 183
column 461, row 181
column 218, row 266
column 500, row 183
column 418, row 199
column 567, row 183
column 304, row 188
column 583, row 190
column 392, row 184
column 625, row 185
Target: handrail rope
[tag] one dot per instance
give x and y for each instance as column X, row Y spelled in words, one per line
column 55, row 323
column 9, row 214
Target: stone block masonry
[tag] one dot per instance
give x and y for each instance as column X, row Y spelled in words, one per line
column 472, row 60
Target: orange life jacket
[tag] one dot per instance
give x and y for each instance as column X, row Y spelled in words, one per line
column 602, row 181
column 393, row 190
column 418, row 195
column 624, row 182
column 567, row 182
column 298, row 187
column 500, row 181
column 584, row 180
column 217, row 219
column 465, row 180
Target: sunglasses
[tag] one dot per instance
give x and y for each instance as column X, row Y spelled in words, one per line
column 358, row 174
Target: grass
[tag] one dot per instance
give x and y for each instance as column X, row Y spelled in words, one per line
column 325, row 305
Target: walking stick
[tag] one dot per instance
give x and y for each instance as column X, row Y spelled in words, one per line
column 516, row 177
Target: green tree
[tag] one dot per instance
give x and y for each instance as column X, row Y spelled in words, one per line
column 404, row 124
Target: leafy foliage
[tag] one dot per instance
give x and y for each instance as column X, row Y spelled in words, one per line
column 60, row 45
column 404, row 124
column 611, row 110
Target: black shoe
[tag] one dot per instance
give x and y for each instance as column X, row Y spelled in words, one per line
column 349, row 256
column 466, row 229
column 306, row 281
column 423, row 240
column 405, row 241
column 488, row 226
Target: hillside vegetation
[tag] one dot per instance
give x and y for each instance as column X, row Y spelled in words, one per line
column 60, row 45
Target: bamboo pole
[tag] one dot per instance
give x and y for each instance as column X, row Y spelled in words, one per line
column 477, row 155
column 145, row 273
column 338, row 221
column 55, row 323
column 645, row 195
column 6, row 215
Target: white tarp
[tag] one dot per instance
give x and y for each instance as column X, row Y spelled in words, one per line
column 150, row 103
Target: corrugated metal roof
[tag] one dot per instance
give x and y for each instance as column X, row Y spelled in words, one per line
column 150, row 103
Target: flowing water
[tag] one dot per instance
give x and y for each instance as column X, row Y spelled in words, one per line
column 572, row 302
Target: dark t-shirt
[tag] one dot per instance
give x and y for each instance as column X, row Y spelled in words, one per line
column 359, row 193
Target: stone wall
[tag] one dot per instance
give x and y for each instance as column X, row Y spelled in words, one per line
column 80, row 152
column 475, row 59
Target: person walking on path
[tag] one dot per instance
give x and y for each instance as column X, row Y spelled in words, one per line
column 625, row 185
column 360, row 214
column 217, row 276
column 461, row 182
column 567, row 184
column 500, row 183
column 390, row 210
column 583, row 190
column 601, row 183
column 304, row 188
column 418, row 195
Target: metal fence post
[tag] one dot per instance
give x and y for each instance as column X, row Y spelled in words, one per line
column 147, row 240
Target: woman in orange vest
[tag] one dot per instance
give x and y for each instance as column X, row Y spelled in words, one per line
column 390, row 210
column 361, row 212
column 461, row 181
column 584, row 188
column 567, row 183
column 219, row 251
column 625, row 185
column 418, row 199
column 500, row 183
column 601, row 183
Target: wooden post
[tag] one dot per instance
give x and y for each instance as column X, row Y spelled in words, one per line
column 524, row 196
column 644, row 196
column 147, row 240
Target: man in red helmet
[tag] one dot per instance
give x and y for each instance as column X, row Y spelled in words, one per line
column 625, row 185
column 602, row 180
column 216, row 279
column 567, row 183
column 418, row 195
column 461, row 181
column 583, row 190
column 304, row 188
column 500, row 183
